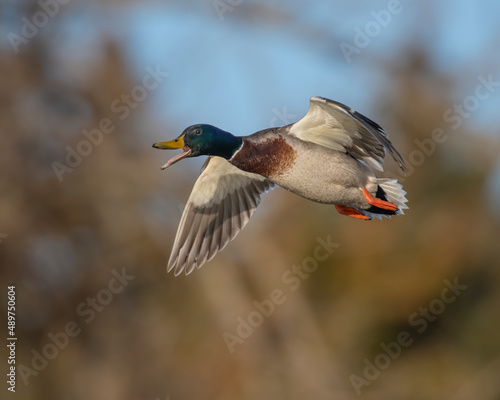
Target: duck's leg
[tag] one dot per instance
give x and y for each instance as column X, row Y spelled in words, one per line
column 385, row 205
column 350, row 212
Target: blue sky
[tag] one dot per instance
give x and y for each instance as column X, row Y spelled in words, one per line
column 236, row 75
column 245, row 77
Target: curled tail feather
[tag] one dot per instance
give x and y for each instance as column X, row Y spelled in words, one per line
column 392, row 191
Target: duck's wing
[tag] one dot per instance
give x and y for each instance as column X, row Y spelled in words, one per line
column 221, row 203
column 338, row 127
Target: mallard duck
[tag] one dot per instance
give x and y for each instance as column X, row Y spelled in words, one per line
column 328, row 157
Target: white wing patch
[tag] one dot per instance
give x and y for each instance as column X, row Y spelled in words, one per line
column 338, row 127
column 221, row 203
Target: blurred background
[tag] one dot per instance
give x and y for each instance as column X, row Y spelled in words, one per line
column 86, row 87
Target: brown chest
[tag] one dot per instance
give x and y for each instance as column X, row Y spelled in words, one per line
column 269, row 157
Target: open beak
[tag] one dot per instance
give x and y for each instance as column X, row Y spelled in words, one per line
column 174, row 144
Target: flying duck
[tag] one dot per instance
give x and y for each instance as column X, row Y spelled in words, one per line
column 328, row 157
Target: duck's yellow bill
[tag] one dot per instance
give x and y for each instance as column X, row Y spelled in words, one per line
column 172, row 144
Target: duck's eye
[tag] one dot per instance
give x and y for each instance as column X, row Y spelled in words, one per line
column 197, row 132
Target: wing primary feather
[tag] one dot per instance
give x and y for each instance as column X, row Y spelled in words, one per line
column 208, row 236
column 336, row 126
column 227, row 223
column 221, row 203
column 235, row 214
column 218, row 232
column 186, row 219
column 187, row 249
column 194, row 252
column 378, row 132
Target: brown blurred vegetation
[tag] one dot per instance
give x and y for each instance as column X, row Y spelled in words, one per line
column 162, row 336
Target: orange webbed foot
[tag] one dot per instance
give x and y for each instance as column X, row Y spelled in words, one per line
column 351, row 212
column 385, row 205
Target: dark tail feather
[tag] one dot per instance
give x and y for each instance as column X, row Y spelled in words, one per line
column 388, row 190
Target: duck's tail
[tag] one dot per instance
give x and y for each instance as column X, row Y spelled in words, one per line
column 392, row 191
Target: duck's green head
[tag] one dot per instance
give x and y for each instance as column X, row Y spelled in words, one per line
column 201, row 140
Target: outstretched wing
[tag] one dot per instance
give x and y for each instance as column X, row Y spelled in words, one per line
column 221, row 203
column 338, row 127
